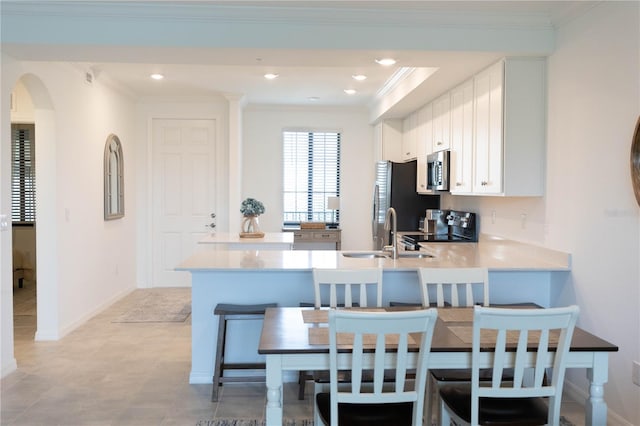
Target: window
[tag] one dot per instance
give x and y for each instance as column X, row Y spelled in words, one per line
column 311, row 175
column 23, row 173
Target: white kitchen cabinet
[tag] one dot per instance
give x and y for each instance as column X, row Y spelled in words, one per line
column 442, row 122
column 387, row 139
column 509, row 123
column 461, row 158
column 409, row 137
column 424, row 146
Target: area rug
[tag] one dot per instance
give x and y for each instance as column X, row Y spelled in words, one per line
column 293, row 422
column 156, row 306
column 252, row 422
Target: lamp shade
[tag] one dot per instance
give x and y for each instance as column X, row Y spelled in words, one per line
column 333, row 203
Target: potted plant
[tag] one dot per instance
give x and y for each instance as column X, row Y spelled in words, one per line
column 251, row 209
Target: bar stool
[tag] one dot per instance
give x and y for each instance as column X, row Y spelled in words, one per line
column 226, row 312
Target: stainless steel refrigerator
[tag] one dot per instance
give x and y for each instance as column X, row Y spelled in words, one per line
column 396, row 187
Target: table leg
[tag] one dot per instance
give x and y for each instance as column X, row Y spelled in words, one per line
column 274, row 390
column 595, row 406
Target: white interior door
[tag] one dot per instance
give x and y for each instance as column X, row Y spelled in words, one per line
column 183, row 194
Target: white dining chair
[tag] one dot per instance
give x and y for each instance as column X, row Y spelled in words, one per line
column 454, row 282
column 453, row 287
column 379, row 403
column 519, row 402
column 345, row 288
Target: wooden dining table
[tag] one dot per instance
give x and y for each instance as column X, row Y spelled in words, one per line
column 292, row 340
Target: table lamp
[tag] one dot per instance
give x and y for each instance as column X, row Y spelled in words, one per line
column 333, row 203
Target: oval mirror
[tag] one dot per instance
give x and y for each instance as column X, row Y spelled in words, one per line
column 113, row 179
column 635, row 162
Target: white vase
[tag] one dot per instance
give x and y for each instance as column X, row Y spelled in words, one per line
column 250, row 225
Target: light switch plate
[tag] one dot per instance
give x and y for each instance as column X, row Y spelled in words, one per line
column 4, row 222
column 635, row 374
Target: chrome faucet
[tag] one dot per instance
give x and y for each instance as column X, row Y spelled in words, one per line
column 393, row 224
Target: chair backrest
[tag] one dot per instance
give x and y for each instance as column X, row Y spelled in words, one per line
column 371, row 331
column 346, row 284
column 452, row 279
column 532, row 332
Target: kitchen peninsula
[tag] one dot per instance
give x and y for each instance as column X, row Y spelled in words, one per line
column 233, row 241
column 517, row 273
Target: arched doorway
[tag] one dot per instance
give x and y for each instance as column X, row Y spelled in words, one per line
column 41, row 115
column 23, row 214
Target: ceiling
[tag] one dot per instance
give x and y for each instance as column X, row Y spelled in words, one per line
column 306, row 76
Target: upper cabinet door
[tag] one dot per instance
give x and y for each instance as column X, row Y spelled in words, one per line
column 461, row 159
column 510, row 128
column 409, row 137
column 442, row 123
column 387, row 140
column 424, row 145
column 488, row 106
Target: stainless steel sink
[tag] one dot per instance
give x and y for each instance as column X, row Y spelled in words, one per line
column 365, row 254
column 414, row 255
column 384, row 254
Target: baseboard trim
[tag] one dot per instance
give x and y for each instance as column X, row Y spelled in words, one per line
column 200, row 378
column 49, row 335
column 580, row 396
column 171, row 286
column 9, row 368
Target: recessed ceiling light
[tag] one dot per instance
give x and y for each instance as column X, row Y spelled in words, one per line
column 157, row 76
column 270, row 76
column 313, row 98
column 386, row 61
column 350, row 91
column 359, row 77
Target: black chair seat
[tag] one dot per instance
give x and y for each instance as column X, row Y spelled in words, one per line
column 365, row 414
column 313, row 305
column 464, row 375
column 344, row 376
column 496, row 411
column 411, row 304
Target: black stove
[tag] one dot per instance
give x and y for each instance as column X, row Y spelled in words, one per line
column 431, row 238
column 454, row 226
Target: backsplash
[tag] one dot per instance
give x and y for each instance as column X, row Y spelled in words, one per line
column 519, row 219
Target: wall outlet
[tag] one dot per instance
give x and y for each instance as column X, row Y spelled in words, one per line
column 635, row 373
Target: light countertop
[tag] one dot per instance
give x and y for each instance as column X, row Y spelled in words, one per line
column 234, row 237
column 494, row 253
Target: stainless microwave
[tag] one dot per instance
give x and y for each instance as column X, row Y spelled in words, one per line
column 438, row 171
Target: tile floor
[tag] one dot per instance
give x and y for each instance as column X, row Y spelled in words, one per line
column 106, row 373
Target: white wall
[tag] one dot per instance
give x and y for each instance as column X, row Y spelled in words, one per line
column 84, row 263
column 589, row 209
column 262, row 164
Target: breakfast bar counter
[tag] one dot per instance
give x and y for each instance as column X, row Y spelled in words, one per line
column 233, row 241
column 517, row 273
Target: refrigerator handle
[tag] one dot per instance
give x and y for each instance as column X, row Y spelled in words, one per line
column 374, row 216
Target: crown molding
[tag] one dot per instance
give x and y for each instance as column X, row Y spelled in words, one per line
column 381, row 13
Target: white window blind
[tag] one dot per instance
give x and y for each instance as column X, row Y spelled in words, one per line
column 311, row 174
column 23, row 173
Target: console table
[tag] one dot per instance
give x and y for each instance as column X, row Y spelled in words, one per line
column 317, row 239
